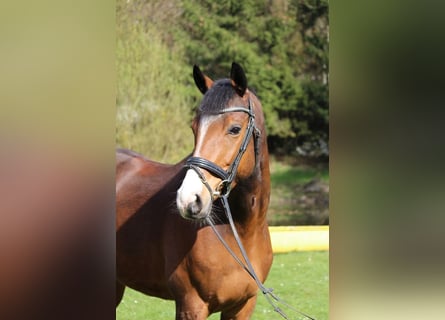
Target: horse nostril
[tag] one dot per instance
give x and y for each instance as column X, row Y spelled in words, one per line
column 198, row 200
column 195, row 207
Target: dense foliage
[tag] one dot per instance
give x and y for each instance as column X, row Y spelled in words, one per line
column 281, row 44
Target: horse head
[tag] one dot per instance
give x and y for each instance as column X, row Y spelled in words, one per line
column 226, row 129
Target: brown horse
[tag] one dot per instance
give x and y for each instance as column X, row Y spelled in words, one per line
column 165, row 246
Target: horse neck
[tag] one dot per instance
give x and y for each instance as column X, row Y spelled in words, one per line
column 252, row 199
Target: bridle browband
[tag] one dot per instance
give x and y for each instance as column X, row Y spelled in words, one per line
column 227, row 177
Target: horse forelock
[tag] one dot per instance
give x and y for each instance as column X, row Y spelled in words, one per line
column 217, row 97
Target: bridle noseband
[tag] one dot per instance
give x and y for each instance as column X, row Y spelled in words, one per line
column 227, row 177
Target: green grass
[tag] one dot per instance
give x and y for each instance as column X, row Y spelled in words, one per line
column 299, row 278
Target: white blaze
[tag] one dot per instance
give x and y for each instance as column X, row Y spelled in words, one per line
column 192, row 184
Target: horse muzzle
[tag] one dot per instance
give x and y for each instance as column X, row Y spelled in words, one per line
column 192, row 199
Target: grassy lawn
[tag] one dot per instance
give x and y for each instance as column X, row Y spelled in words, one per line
column 299, row 278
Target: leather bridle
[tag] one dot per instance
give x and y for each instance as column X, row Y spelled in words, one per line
column 227, row 176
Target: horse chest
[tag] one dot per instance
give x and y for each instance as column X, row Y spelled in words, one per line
column 218, row 287
column 214, row 274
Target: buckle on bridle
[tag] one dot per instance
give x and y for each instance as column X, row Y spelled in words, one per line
column 222, row 189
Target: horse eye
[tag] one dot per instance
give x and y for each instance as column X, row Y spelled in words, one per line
column 235, row 130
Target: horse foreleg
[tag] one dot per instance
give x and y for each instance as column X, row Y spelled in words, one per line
column 120, row 288
column 191, row 308
column 242, row 312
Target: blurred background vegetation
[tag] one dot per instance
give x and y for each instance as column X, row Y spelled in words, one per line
column 283, row 47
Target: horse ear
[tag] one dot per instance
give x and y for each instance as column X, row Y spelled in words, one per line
column 203, row 82
column 239, row 80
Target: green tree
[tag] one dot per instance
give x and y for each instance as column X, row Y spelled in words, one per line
column 154, row 88
column 283, row 45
